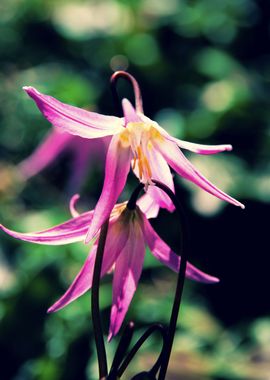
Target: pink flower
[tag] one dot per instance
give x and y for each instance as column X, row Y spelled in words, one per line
column 137, row 141
column 54, row 144
column 128, row 233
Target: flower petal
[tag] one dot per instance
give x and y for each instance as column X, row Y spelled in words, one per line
column 196, row 148
column 72, row 204
column 130, row 113
column 201, row 149
column 53, row 144
column 183, row 167
column 148, row 206
column 115, row 242
column 116, row 171
column 71, row 231
column 128, row 270
column 166, row 256
column 160, row 172
column 73, row 120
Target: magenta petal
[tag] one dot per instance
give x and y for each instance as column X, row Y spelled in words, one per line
column 130, row 113
column 182, row 166
column 80, row 285
column 128, row 270
column 116, row 171
column 73, row 120
column 53, row 144
column 83, row 281
column 71, row 231
column 166, row 256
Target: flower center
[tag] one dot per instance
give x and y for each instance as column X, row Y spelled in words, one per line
column 139, row 137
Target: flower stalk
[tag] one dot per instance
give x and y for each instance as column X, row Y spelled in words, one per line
column 136, row 89
column 97, row 325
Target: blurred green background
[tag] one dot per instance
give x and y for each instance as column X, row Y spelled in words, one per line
column 204, row 71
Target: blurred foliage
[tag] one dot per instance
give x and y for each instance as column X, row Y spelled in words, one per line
column 204, row 71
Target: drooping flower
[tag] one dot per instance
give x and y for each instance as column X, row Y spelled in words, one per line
column 128, row 234
column 137, row 141
column 83, row 152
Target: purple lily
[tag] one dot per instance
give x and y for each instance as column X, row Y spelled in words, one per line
column 137, row 141
column 55, row 143
column 128, row 234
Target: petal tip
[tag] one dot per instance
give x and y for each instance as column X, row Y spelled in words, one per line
column 51, row 310
column 27, row 88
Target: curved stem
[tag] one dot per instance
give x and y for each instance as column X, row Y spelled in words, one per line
column 138, row 344
column 97, row 326
column 121, row 351
column 136, row 89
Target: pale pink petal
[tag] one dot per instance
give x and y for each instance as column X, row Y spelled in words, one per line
column 201, row 149
column 160, row 172
column 53, row 144
column 72, row 204
column 71, row 231
column 115, row 242
column 166, row 256
column 196, row 148
column 116, row 171
column 148, row 206
column 73, row 120
column 130, row 113
column 128, row 270
column 183, row 167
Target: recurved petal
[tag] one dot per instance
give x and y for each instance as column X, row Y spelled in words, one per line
column 193, row 147
column 71, row 231
column 115, row 242
column 200, row 148
column 116, row 171
column 53, row 144
column 74, row 120
column 166, row 256
column 183, row 167
column 128, row 270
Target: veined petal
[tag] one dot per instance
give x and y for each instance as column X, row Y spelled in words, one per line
column 166, row 256
column 130, row 113
column 115, row 242
column 160, row 172
column 53, row 144
column 182, row 166
column 128, row 270
column 74, row 120
column 148, row 206
column 71, row 231
column 116, row 171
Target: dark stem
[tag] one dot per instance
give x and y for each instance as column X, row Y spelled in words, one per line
column 181, row 274
column 97, row 326
column 138, row 344
column 121, row 351
column 136, row 89
column 180, row 283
